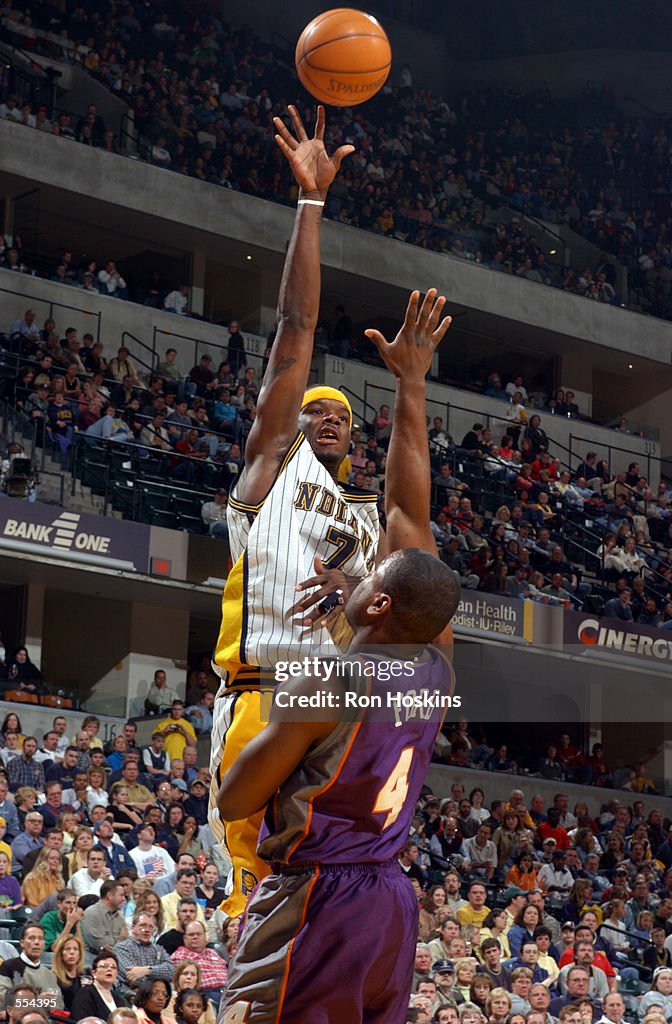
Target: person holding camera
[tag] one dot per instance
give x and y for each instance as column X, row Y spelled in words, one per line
column 178, row 732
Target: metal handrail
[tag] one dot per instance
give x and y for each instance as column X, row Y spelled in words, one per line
column 536, row 220
column 138, row 341
column 444, row 406
column 636, row 456
column 52, row 303
column 360, row 399
column 197, row 342
column 40, row 36
column 642, row 943
column 81, row 445
column 193, row 426
column 117, row 445
column 653, row 113
column 30, row 80
column 490, row 418
column 586, row 532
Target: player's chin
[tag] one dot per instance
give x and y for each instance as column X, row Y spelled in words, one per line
column 328, row 456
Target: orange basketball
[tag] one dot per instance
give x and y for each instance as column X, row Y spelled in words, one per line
column 343, row 57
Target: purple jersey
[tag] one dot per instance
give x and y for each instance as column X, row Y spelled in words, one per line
column 352, row 798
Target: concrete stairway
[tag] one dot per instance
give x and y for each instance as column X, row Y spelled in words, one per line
column 51, row 472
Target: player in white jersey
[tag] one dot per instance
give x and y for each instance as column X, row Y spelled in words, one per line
column 286, row 509
column 306, row 514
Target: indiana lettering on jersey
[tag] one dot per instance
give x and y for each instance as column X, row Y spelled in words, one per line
column 312, row 497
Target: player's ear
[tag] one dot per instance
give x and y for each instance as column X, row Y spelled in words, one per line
column 380, row 604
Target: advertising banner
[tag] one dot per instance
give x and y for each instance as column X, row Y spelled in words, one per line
column 60, row 533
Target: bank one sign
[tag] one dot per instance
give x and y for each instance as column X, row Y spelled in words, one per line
column 32, row 527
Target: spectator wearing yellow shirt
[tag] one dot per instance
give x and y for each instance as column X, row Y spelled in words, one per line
column 641, row 782
column 475, row 911
column 91, row 724
column 517, row 803
column 185, row 888
column 385, row 221
column 178, row 732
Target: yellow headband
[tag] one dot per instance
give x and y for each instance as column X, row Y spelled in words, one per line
column 320, row 392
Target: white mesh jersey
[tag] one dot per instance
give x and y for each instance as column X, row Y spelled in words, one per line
column 273, row 547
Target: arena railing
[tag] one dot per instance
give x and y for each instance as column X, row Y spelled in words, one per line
column 636, row 456
column 489, row 419
column 53, row 304
column 444, row 407
column 638, row 943
column 543, row 227
column 200, row 345
column 14, row 423
column 588, row 539
column 149, row 366
column 360, row 402
column 30, row 82
column 83, row 444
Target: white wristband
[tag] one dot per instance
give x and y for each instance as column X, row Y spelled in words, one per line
column 310, row 202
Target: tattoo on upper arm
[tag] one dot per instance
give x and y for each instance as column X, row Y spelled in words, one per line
column 283, row 364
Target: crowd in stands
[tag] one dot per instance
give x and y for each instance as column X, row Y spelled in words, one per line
column 192, row 425
column 109, row 871
column 89, row 276
column 110, row 881
column 532, row 914
column 522, row 547
column 618, row 525
column 466, row 745
column 203, row 93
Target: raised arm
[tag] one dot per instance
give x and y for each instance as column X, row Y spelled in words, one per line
column 286, row 376
column 407, row 477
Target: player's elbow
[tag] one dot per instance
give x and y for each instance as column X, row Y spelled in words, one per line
column 408, row 528
column 227, row 805
column 296, row 320
column 231, row 803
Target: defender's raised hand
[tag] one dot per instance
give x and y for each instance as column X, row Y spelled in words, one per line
column 410, row 354
column 311, row 165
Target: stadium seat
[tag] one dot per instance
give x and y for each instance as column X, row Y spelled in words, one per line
column 94, row 472
column 187, row 505
column 192, row 524
column 52, row 700
column 20, row 697
column 153, row 499
column 162, row 517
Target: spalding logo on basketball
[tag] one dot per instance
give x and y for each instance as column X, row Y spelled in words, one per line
column 343, row 57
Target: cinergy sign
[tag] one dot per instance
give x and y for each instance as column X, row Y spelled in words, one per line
column 650, row 644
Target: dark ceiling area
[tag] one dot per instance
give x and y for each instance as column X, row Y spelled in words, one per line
column 486, row 29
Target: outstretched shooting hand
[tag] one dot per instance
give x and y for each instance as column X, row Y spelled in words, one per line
column 311, row 165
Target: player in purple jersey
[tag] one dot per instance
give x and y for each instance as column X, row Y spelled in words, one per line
column 329, row 935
